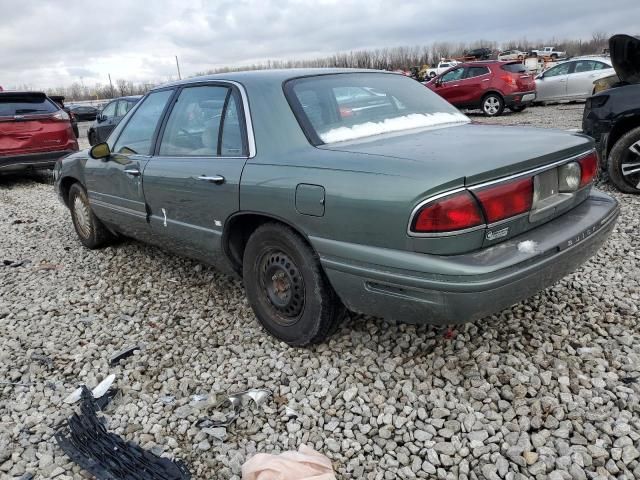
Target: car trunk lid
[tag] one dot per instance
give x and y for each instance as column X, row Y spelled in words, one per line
column 625, row 57
column 496, row 151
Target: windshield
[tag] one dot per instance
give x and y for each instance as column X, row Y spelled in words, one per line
column 335, row 108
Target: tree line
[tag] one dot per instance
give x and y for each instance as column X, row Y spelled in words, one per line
column 392, row 58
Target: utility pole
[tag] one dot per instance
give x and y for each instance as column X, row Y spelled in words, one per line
column 178, row 67
column 111, row 86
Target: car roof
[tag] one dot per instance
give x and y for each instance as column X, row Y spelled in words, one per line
column 269, row 76
column 599, row 58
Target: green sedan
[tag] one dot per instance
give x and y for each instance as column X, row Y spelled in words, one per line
column 331, row 190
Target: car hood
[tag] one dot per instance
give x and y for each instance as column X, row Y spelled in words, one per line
column 625, row 57
column 472, row 153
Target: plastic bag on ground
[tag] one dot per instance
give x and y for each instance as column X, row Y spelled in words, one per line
column 305, row 464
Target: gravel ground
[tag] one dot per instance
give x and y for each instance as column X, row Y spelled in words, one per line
column 549, row 388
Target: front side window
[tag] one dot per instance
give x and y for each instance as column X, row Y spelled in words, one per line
column 196, row 126
column 453, row 75
column 138, row 133
column 110, row 110
column 339, row 107
column 123, row 107
column 559, row 70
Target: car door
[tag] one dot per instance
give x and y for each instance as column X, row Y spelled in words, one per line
column 105, row 121
column 447, row 85
column 192, row 185
column 552, row 84
column 114, row 184
column 474, row 81
column 581, row 78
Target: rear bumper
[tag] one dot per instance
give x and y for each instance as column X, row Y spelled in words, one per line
column 30, row 161
column 520, row 99
column 412, row 288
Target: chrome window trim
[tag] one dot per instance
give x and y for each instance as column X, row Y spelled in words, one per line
column 480, row 186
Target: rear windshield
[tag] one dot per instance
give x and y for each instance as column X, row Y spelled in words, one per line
column 514, row 68
column 21, row 104
column 339, row 107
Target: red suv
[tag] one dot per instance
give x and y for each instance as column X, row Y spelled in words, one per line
column 34, row 132
column 490, row 86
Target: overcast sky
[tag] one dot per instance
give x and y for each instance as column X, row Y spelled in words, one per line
column 50, row 43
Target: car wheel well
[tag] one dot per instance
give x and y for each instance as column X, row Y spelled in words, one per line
column 619, row 129
column 239, row 228
column 65, row 186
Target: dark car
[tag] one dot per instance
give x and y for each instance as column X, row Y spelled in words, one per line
column 59, row 99
column 34, row 131
column 490, row 86
column 334, row 188
column 84, row 112
column 481, row 53
column 612, row 117
column 109, row 117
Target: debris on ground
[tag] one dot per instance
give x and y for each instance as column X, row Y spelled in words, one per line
column 15, row 263
column 305, row 464
column 234, row 403
column 85, row 439
column 122, row 354
column 98, row 391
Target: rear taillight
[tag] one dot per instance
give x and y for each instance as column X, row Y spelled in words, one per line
column 458, row 211
column 589, row 168
column 60, row 115
column 508, row 79
column 506, row 200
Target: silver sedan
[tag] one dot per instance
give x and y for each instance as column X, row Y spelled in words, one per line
column 573, row 79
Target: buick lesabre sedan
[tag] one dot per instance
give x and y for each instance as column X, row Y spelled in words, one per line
column 328, row 190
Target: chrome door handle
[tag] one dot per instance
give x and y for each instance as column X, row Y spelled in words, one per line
column 218, row 179
column 134, row 172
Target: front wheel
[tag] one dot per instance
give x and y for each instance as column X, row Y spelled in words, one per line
column 432, row 75
column 624, row 162
column 492, row 105
column 92, row 138
column 286, row 287
column 91, row 232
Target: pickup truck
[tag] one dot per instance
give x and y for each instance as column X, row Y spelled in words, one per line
column 441, row 68
column 549, row 52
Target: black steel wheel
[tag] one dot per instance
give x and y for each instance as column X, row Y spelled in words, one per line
column 287, row 288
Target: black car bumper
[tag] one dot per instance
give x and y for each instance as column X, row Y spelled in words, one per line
column 520, row 99
column 31, row 161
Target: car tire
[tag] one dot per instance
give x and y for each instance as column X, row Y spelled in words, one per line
column 90, row 230
column 518, row 108
column 287, row 288
column 92, row 138
column 624, row 162
column 492, row 105
column 432, row 75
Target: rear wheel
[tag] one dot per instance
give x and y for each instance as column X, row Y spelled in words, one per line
column 92, row 138
column 286, row 287
column 432, row 75
column 492, row 105
column 624, row 162
column 91, row 232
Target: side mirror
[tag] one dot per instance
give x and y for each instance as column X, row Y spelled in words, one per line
column 100, row 151
column 100, row 118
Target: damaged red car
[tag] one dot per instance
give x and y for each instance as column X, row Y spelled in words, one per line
column 34, row 132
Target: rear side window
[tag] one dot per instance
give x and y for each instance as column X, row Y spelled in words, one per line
column 203, row 122
column 476, row 72
column 514, row 68
column 339, row 107
column 138, row 133
column 25, row 104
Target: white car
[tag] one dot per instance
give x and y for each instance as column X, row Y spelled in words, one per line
column 512, row 55
column 441, row 68
column 573, row 79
